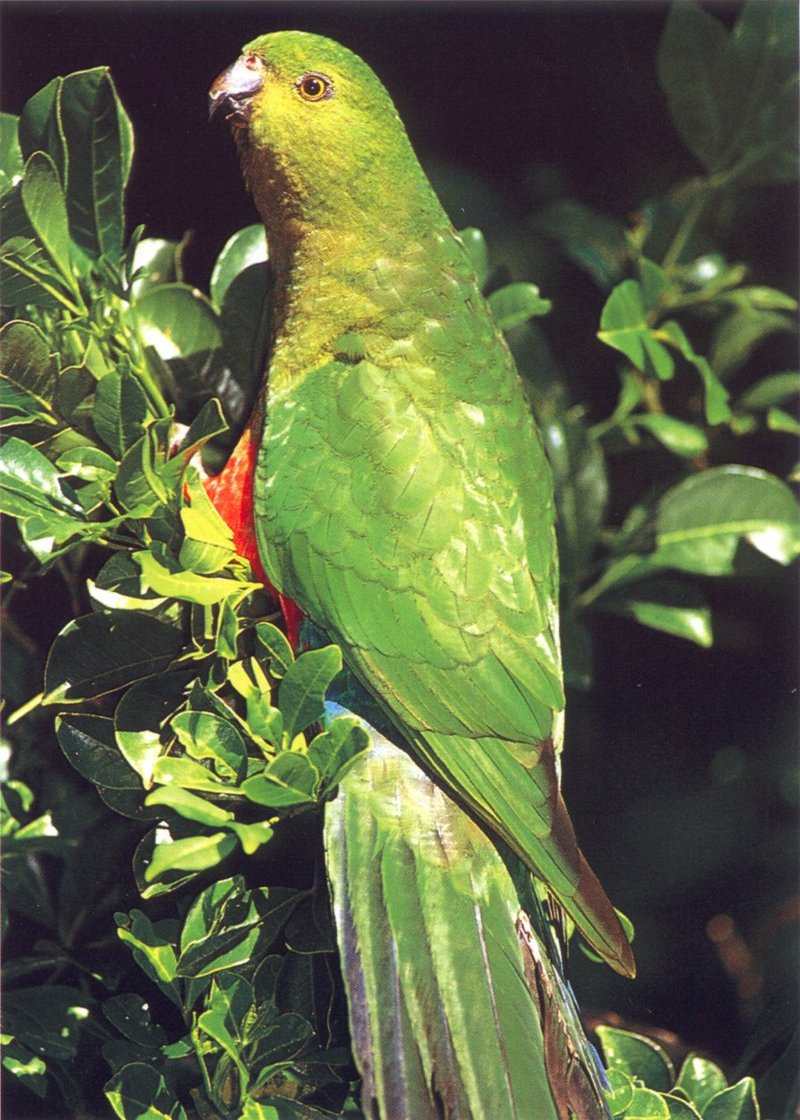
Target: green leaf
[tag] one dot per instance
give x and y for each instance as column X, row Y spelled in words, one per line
column 186, row 772
column 177, row 321
column 739, row 1102
column 27, row 277
column 595, row 242
column 154, row 262
column 677, row 436
column 225, row 924
column 25, row 359
column 100, row 653
column 230, row 1001
column 46, row 208
column 89, row 464
column 21, row 1063
column 620, row 1091
column 49, row 1019
column 40, row 128
column 88, row 742
column 152, row 949
column 31, row 483
column 624, row 326
column 695, row 71
column 680, row 1109
column 139, row 1092
column 640, row 1058
column 516, row 303
column 740, row 333
column 333, row 752
column 189, row 806
column 245, row 319
column 204, row 735
column 672, row 607
column 130, row 1014
column 188, row 586
column 92, row 127
column 771, row 390
column 716, row 395
column 700, row 1080
column 701, row 520
column 246, row 247
column 139, row 489
column 194, row 853
column 11, row 161
column 120, row 409
column 31, row 491
column 647, row 1105
column 276, row 649
column 301, row 696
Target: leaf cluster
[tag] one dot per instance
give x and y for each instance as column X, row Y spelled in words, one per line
column 692, row 332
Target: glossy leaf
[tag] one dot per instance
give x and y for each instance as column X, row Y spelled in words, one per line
column 28, row 277
column 193, row 853
column 177, row 321
column 139, row 1092
column 26, row 360
column 624, row 325
column 90, row 117
column 189, row 586
column 46, row 208
column 735, row 1103
column 301, row 696
column 640, row 1058
column 204, row 735
column 130, row 1015
column 700, row 1079
column 245, row 248
column 516, row 303
column 40, row 127
column 677, row 436
column 675, row 608
column 48, row 1019
column 120, row 409
column 11, row 161
column 100, row 653
column 245, row 319
column 89, row 744
column 189, row 806
column 771, row 390
column 275, row 648
column 155, row 261
column 595, row 242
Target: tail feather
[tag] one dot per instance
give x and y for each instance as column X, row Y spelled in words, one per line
column 457, row 1011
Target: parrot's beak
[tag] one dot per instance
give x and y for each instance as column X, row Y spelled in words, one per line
column 231, row 92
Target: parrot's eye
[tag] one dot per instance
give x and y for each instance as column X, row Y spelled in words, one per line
column 314, row 87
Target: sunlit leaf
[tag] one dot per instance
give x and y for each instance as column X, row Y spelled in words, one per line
column 247, row 247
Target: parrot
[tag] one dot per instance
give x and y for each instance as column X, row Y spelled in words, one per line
column 392, row 488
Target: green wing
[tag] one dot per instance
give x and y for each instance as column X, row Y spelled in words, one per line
column 406, row 507
column 455, row 1009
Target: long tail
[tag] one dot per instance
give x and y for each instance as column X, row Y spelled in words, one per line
column 457, row 1010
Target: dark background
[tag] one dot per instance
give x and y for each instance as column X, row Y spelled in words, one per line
column 680, row 766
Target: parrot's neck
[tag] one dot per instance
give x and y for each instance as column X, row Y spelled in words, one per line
column 324, row 265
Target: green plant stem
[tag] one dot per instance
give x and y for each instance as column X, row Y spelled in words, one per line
column 201, row 1062
column 690, row 220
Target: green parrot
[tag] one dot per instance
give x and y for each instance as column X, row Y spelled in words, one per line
column 401, row 498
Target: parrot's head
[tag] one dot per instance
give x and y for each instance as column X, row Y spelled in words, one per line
column 314, row 126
